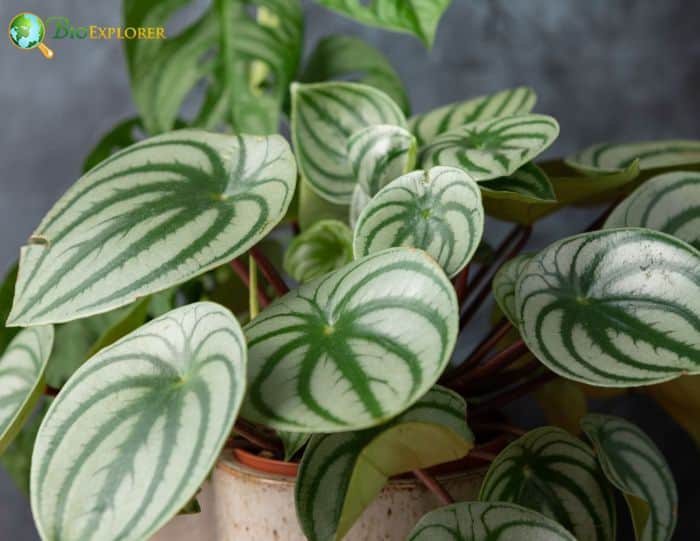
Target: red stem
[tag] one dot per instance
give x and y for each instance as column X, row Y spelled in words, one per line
column 503, row 399
column 242, row 272
column 493, row 365
column 486, row 456
column 434, row 486
column 269, row 272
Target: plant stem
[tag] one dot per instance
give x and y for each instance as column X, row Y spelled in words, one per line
column 509, row 396
column 240, row 270
column 460, row 285
column 254, row 306
column 492, row 366
column 249, row 432
column 486, row 456
column 269, row 271
column 434, row 486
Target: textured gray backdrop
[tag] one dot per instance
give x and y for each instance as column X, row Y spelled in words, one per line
column 606, row 69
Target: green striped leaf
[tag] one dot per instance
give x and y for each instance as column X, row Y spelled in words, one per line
column 293, row 442
column 479, row 521
column 138, row 427
column 651, row 155
column 152, row 216
column 341, row 474
column 324, row 247
column 529, row 183
column 22, row 368
column 632, row 462
column 613, row 308
column 438, row 211
column 503, row 285
column 348, row 58
column 324, row 117
column 417, row 17
column 668, row 203
column 354, row 348
column 492, row 148
column 552, row 472
column 514, row 101
column 379, row 154
column 245, row 51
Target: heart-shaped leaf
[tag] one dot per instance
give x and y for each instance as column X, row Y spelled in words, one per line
column 22, row 368
column 492, row 148
column 503, row 285
column 380, row 154
column 651, row 155
column 324, row 247
column 152, row 216
column 668, row 203
column 514, row 101
column 613, row 308
column 480, row 521
column 529, row 183
column 324, row 116
column 552, row 472
column 349, row 58
column 354, row 348
column 633, row 463
column 138, row 427
column 438, row 211
column 419, row 18
column 341, row 474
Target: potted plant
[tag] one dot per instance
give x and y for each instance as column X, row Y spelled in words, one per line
column 143, row 357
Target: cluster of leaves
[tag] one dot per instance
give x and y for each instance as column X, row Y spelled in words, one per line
column 124, row 298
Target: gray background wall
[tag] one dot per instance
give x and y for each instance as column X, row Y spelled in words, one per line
column 606, row 69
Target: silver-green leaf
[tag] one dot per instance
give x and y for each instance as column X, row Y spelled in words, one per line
column 503, row 285
column 668, row 203
column 341, row 474
column 552, row 472
column 22, row 367
column 514, row 101
column 492, row 148
column 481, row 521
column 324, row 117
column 135, row 431
column 632, row 463
column 322, row 248
column 153, row 215
column 354, row 348
column 438, row 211
column 613, row 308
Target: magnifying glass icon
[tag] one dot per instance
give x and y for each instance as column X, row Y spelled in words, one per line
column 27, row 31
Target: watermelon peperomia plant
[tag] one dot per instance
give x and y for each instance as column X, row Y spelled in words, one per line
column 137, row 313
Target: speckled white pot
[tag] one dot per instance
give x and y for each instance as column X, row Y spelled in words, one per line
column 240, row 503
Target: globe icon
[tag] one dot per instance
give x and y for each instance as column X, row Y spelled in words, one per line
column 27, row 31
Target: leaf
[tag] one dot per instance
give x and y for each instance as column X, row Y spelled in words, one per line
column 669, row 203
column 417, row 17
column 563, row 403
column 479, row 521
column 22, row 368
column 354, row 348
column 341, row 474
column 681, row 400
column 152, row 216
column 228, row 48
column 529, row 183
column 134, row 433
column 651, row 155
column 438, row 211
column 552, row 472
column 349, row 58
column 492, row 148
column 293, row 442
column 380, row 154
column 324, row 247
column 503, row 285
column 17, row 458
column 324, row 116
column 614, row 308
column 119, row 137
column 634, row 464
column 514, row 101
column 7, row 291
